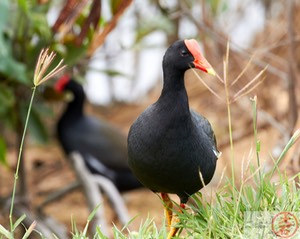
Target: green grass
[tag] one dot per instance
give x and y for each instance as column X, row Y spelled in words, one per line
column 224, row 218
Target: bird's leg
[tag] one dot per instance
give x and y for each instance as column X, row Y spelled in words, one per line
column 168, row 205
column 175, row 220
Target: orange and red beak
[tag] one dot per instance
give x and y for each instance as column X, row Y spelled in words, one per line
column 60, row 84
column 199, row 61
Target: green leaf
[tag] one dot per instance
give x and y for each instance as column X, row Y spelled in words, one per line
column 7, row 99
column 74, row 53
column 258, row 146
column 23, row 5
column 4, row 14
column 110, row 72
column 150, row 25
column 2, row 152
column 40, row 24
column 36, row 127
column 7, row 112
column 12, row 69
column 114, row 5
column 4, row 10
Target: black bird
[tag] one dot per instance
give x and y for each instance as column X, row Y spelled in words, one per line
column 102, row 146
column 170, row 146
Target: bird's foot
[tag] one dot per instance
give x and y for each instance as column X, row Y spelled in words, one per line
column 173, row 228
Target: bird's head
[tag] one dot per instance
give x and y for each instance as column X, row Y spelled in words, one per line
column 62, row 83
column 185, row 54
column 66, row 83
column 70, row 88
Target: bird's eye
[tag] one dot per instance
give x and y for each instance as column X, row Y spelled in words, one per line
column 184, row 53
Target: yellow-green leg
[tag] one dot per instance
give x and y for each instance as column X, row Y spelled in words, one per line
column 173, row 230
column 168, row 206
column 171, row 220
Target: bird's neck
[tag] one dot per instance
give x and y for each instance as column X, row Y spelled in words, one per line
column 174, row 92
column 74, row 108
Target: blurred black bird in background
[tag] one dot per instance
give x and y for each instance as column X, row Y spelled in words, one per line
column 101, row 145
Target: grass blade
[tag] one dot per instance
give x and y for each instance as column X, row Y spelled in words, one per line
column 18, row 222
column 5, row 232
column 291, row 142
column 30, row 230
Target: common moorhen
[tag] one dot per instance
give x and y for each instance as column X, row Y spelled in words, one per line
column 172, row 149
column 102, row 146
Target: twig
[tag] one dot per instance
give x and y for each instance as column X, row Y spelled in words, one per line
column 206, row 85
column 99, row 36
column 114, row 197
column 221, row 39
column 283, row 43
column 92, row 192
column 96, row 184
column 68, row 15
column 243, row 92
column 57, row 195
column 251, row 84
column 46, row 226
column 242, row 72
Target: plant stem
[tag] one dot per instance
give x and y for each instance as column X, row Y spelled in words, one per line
column 231, row 143
column 228, row 102
column 19, row 160
column 256, row 141
column 291, row 142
